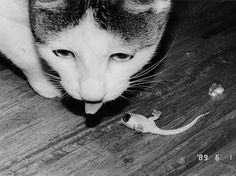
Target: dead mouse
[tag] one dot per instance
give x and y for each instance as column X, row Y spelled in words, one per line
column 147, row 125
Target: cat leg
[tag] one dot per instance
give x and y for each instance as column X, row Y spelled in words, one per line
column 31, row 67
column 39, row 82
column 16, row 42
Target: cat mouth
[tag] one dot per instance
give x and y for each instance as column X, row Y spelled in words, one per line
column 92, row 108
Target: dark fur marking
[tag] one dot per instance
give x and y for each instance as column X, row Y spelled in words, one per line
column 143, row 28
column 46, row 22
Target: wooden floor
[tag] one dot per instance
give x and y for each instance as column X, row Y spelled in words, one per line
column 45, row 138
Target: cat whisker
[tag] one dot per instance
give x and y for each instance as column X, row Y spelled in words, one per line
column 146, row 71
column 141, row 87
column 134, row 92
column 55, row 80
column 151, row 76
column 148, row 80
column 61, row 98
column 144, row 82
column 65, row 97
column 53, row 76
column 128, row 99
column 57, row 84
column 116, row 91
column 59, row 88
column 149, row 69
column 65, row 94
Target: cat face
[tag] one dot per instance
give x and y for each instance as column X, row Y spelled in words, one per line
column 96, row 46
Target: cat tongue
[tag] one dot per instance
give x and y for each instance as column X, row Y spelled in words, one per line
column 92, row 108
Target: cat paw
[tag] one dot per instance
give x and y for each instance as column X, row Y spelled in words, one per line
column 45, row 88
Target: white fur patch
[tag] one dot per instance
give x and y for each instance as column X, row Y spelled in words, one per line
column 15, row 10
column 50, row 5
column 162, row 5
column 158, row 5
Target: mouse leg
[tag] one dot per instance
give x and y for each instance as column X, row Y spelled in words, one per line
column 156, row 115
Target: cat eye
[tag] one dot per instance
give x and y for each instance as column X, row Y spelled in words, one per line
column 63, row 53
column 121, row 57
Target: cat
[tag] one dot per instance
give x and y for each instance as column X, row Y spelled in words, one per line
column 95, row 46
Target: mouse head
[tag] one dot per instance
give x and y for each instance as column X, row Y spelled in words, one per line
column 130, row 121
column 126, row 119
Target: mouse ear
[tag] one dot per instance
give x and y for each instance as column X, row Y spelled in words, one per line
column 139, row 128
column 139, row 6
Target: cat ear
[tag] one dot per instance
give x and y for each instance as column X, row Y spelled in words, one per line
column 49, row 4
column 139, row 6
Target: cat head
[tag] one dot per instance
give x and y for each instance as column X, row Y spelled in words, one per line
column 97, row 45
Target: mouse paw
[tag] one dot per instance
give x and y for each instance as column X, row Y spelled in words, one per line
column 156, row 114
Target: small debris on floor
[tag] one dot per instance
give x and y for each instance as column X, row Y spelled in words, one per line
column 215, row 89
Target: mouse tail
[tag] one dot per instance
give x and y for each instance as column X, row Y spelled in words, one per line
column 178, row 130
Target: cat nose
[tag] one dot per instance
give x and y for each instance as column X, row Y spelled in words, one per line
column 126, row 117
column 92, row 90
